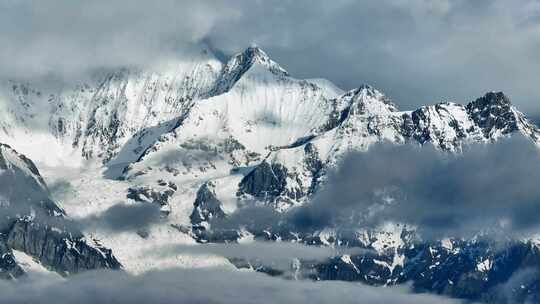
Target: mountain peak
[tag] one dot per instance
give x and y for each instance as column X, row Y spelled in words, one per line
column 490, row 99
column 241, row 63
column 254, row 54
column 495, row 114
column 253, row 51
column 368, row 96
column 370, row 91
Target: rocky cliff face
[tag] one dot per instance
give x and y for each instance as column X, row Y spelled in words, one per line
column 59, row 250
column 32, row 223
column 206, row 206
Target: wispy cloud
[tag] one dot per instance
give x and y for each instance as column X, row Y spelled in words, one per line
column 122, row 217
column 276, row 255
column 417, row 51
column 200, row 286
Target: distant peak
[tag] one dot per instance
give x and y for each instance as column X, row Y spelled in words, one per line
column 494, row 114
column 366, row 94
column 491, row 99
column 365, row 86
column 369, row 90
column 256, row 50
column 241, row 63
column 254, row 54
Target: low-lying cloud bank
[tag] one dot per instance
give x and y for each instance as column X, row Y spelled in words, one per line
column 122, row 217
column 488, row 188
column 276, row 255
column 199, row 286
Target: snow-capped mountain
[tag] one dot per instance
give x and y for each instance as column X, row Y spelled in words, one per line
column 34, row 226
column 203, row 138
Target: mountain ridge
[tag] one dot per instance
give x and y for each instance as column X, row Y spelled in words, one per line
column 204, row 139
column 32, row 223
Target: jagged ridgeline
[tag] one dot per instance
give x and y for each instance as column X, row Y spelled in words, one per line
column 210, row 142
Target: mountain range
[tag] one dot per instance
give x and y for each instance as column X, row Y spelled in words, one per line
column 202, row 140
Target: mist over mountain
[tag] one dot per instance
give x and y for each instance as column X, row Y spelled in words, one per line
column 464, row 48
column 193, row 152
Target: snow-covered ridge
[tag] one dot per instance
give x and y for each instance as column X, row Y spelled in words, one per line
column 94, row 120
column 239, row 130
column 199, row 119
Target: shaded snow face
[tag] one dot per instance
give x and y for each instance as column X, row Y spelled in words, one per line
column 24, row 193
column 22, row 189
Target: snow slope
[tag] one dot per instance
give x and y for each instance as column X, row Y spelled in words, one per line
column 245, row 129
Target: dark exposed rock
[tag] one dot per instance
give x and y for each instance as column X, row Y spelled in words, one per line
column 160, row 196
column 268, row 181
column 257, row 266
column 32, row 223
column 457, row 272
column 172, row 186
column 493, row 112
column 312, row 160
column 59, row 250
column 264, row 182
column 418, row 126
column 357, row 268
column 9, row 268
column 147, row 194
column 206, row 206
column 472, row 270
column 314, row 165
column 203, row 235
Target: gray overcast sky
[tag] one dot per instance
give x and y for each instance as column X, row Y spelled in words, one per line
column 416, row 51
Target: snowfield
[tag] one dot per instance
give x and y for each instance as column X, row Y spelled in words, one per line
column 244, row 130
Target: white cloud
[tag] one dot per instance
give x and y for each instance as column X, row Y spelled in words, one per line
column 199, row 286
column 417, row 51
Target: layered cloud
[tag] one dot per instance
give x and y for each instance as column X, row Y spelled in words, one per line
column 488, row 188
column 199, row 286
column 66, row 38
column 417, row 51
column 275, row 255
column 122, row 217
